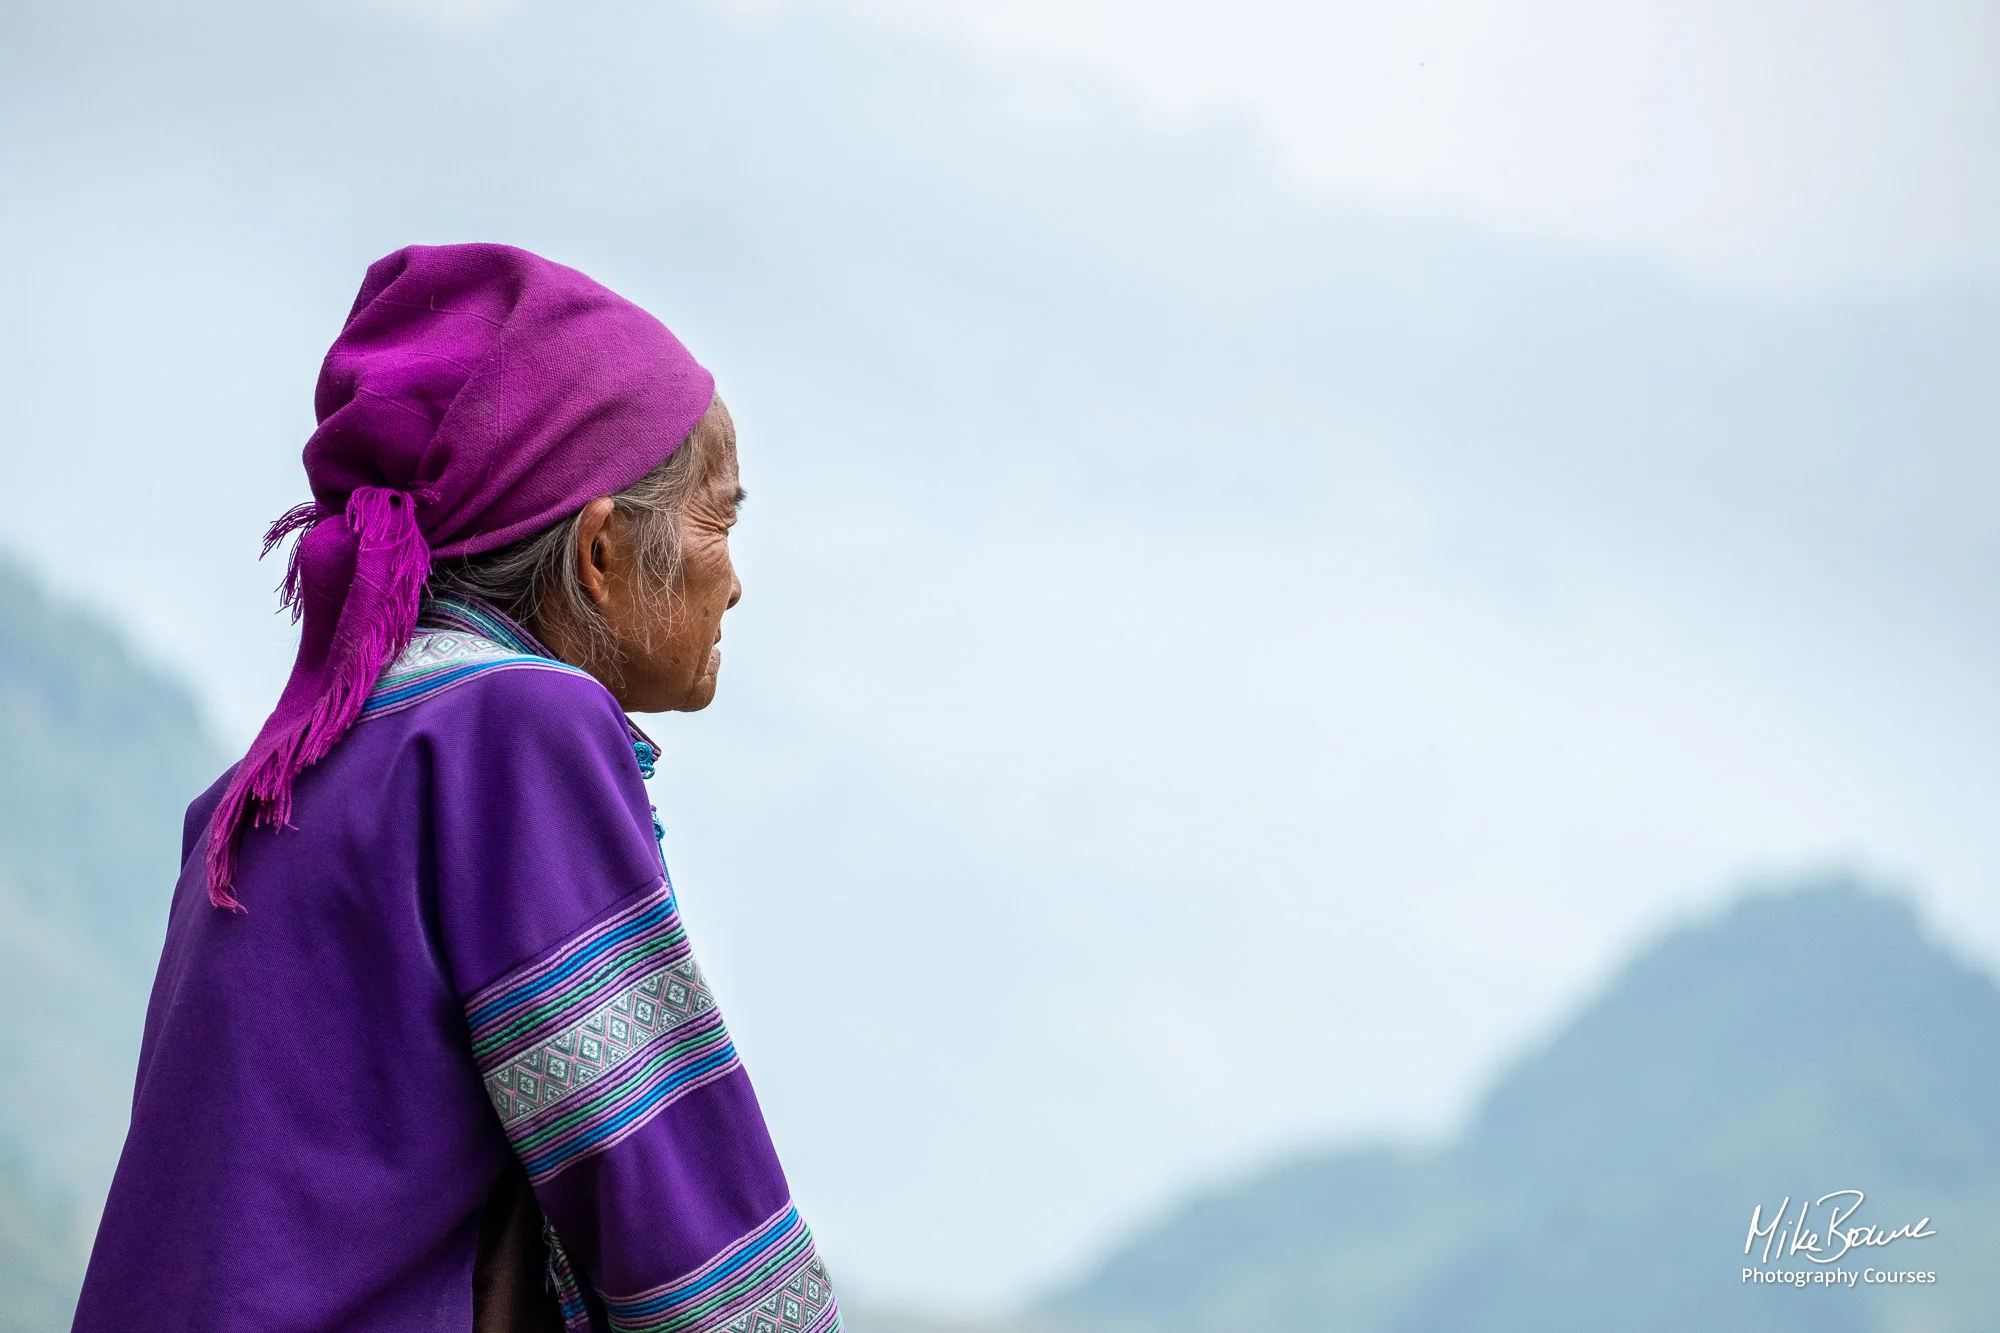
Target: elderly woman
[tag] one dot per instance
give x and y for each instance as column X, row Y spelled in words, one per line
column 427, row 1048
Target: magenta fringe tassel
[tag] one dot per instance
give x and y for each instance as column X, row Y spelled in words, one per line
column 350, row 636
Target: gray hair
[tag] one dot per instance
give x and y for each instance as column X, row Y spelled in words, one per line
column 535, row 580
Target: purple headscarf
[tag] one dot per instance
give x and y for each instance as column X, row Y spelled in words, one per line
column 476, row 395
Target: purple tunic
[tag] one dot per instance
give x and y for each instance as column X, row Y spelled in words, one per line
column 465, row 949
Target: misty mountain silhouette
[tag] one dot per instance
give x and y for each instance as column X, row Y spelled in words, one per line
column 99, row 756
column 1804, row 1041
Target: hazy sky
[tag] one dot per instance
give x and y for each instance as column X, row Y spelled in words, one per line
column 1279, row 546
column 1785, row 145
column 1791, row 145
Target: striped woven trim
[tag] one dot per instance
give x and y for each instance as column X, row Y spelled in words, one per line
column 437, row 660
column 584, row 1047
column 772, row 1279
column 645, row 933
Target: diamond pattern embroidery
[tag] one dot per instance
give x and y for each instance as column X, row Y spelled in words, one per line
column 441, row 648
column 798, row 1305
column 582, row 1052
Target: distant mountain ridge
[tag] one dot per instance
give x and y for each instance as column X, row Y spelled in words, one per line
column 1799, row 1043
column 99, row 756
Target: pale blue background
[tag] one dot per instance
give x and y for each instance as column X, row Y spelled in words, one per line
column 1247, row 618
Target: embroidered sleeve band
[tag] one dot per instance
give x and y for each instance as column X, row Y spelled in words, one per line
column 771, row 1281
column 583, row 1047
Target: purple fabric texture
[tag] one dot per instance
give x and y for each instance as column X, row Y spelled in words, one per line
column 471, row 914
column 475, row 395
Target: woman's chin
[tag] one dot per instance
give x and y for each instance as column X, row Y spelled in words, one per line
column 701, row 693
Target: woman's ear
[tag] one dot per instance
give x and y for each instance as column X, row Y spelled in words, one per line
column 593, row 565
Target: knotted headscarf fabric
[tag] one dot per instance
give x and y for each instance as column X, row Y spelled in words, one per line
column 476, row 395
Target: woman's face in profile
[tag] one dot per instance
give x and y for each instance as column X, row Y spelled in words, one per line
column 668, row 645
